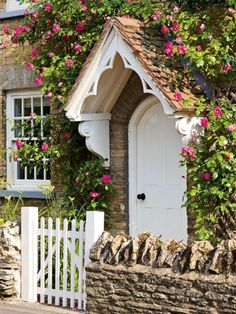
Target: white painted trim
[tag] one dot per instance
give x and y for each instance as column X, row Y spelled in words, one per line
column 22, row 185
column 132, row 139
column 103, row 60
column 187, row 127
column 97, row 137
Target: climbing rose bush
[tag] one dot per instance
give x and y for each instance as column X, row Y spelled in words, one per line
column 199, row 33
column 211, row 168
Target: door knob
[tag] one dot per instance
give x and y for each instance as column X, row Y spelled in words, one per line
column 141, row 196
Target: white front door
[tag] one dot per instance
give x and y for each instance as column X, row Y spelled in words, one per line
column 156, row 178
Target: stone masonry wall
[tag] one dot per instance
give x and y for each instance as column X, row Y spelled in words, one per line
column 128, row 101
column 141, row 289
column 10, row 259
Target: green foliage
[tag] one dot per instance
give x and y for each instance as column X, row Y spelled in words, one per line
column 212, row 171
column 202, row 33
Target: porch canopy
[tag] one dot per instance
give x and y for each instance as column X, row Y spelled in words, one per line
column 126, row 45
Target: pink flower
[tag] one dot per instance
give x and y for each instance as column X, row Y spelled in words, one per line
column 105, row 179
column 227, row 68
column 67, row 136
column 182, row 49
column 79, row 27
column 178, row 96
column 35, row 15
column 77, row 48
column 48, row 7
column 169, row 48
column 34, row 52
column 56, row 28
column 176, row 27
column 68, row 37
column 48, row 34
column 5, row 30
column 51, row 54
column 94, row 194
column 204, row 122
column 38, row 81
column 157, row 15
column 15, row 157
column 30, row 66
column 202, row 27
column 164, row 29
column 230, row 11
column 231, row 127
column 4, row 45
column 179, row 39
column 49, row 95
column 217, row 112
column 19, row 144
column 44, row 147
column 188, row 152
column 206, row 176
column 227, row 157
column 69, row 63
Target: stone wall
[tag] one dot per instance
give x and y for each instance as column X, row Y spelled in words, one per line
column 141, row 289
column 130, row 98
column 10, row 259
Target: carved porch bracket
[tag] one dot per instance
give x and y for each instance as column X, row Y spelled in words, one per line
column 188, row 127
column 97, row 137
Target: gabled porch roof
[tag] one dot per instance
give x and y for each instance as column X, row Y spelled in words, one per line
column 126, row 45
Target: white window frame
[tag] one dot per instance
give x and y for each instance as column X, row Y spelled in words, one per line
column 18, row 184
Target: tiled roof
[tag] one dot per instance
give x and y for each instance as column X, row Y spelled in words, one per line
column 147, row 44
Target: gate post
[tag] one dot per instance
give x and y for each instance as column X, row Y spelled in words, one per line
column 94, row 228
column 29, row 253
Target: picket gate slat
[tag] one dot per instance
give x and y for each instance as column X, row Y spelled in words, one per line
column 72, row 268
column 42, row 259
column 57, row 261
column 49, row 260
column 81, row 264
column 65, row 261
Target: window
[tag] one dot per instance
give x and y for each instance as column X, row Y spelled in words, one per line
column 22, row 108
column 14, row 5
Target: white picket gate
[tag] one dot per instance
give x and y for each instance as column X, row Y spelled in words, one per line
column 54, row 257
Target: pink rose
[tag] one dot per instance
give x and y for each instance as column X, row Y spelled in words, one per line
column 182, row 49
column 35, row 15
column 48, row 34
column 56, row 28
column 179, row 39
column 44, row 147
column 51, row 54
column 217, row 112
column 69, row 63
column 48, row 7
column 79, row 27
column 169, row 48
column 30, row 66
column 231, row 127
column 204, row 122
column 227, row 68
column 94, row 194
column 176, row 27
column 164, row 29
column 178, row 96
column 67, row 136
column 206, row 176
column 227, row 157
column 157, row 15
column 49, row 95
column 230, row 11
column 38, row 81
column 202, row 27
column 188, row 152
column 15, row 157
column 5, row 30
column 77, row 48
column 19, row 144
column 34, row 52
column 105, row 179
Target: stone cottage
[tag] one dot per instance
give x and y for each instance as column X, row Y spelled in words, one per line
column 18, row 98
column 127, row 108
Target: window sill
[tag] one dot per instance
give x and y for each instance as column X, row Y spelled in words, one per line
column 25, row 194
column 11, row 14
